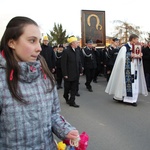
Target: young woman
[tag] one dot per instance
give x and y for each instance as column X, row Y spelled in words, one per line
column 29, row 103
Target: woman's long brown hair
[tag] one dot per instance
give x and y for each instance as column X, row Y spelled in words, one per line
column 14, row 30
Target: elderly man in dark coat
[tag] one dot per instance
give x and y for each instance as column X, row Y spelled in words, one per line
column 71, row 70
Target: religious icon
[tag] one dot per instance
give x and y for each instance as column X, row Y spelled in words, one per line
column 98, row 26
column 93, row 27
column 137, row 49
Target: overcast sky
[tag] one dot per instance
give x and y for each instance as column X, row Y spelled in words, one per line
column 68, row 13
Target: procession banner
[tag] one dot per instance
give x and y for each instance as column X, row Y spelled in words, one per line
column 93, row 27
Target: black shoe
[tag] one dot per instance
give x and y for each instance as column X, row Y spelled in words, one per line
column 77, row 94
column 74, row 105
column 58, row 88
column 117, row 100
column 134, row 104
column 67, row 102
column 90, row 90
column 94, row 81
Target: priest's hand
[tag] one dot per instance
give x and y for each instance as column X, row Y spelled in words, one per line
column 136, row 56
column 66, row 77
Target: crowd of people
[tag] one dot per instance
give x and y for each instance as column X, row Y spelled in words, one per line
column 32, row 73
column 73, row 61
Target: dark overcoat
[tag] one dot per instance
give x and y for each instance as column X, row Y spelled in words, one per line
column 71, row 63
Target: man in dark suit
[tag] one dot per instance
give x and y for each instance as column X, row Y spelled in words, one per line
column 146, row 64
column 48, row 53
column 112, row 53
column 90, row 63
column 59, row 76
column 71, row 70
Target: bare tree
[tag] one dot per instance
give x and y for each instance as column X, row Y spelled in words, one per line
column 124, row 29
column 148, row 39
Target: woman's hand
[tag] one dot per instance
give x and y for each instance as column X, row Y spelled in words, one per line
column 73, row 134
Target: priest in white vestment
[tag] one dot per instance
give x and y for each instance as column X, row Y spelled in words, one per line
column 127, row 80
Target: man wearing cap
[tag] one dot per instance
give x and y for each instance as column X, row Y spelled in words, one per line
column 59, row 75
column 112, row 52
column 71, row 70
column 48, row 53
column 90, row 63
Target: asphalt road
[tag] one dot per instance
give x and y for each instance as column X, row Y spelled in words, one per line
column 109, row 124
